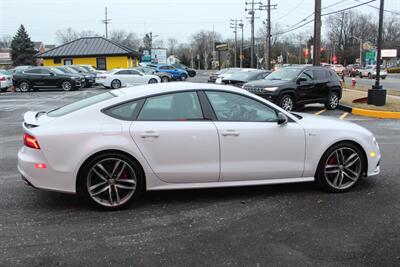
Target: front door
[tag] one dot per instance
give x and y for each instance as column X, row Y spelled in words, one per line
column 305, row 88
column 253, row 145
column 177, row 142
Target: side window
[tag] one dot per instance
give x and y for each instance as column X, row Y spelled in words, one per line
column 134, row 72
column 45, row 71
column 33, row 71
column 172, row 107
column 163, row 67
column 122, row 72
column 308, row 74
column 234, row 107
column 320, row 74
column 124, row 111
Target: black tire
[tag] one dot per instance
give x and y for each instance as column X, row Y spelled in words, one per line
column 131, row 171
column 164, row 79
column 327, row 180
column 3, row 90
column 24, row 86
column 369, row 76
column 333, row 101
column 184, row 77
column 67, row 86
column 115, row 84
column 287, row 102
column 152, row 80
column 383, row 77
column 361, row 76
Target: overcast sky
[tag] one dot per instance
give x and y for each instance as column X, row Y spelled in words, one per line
column 166, row 18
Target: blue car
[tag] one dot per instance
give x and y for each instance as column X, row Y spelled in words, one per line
column 177, row 74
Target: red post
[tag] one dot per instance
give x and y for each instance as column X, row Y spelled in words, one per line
column 353, row 82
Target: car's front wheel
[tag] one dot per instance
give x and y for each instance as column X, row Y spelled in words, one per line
column 286, row 102
column 115, row 84
column 111, row 181
column 340, row 167
column 184, row 77
column 152, row 80
column 164, row 79
column 67, row 86
column 333, row 101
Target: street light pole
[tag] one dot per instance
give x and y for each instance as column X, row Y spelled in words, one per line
column 241, row 47
column 361, row 47
column 377, row 95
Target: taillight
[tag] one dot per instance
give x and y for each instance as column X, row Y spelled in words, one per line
column 2, row 78
column 31, row 141
column 103, row 77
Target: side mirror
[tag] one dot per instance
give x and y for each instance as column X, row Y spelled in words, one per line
column 282, row 119
column 301, row 79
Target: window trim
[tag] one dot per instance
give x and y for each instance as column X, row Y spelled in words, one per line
column 105, row 63
column 135, row 114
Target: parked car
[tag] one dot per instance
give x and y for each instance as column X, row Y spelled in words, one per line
column 353, row 70
column 164, row 76
column 226, row 74
column 91, row 69
column 239, row 78
column 90, row 78
column 118, row 78
column 190, row 71
column 339, row 69
column 46, row 77
column 177, row 74
column 214, row 76
column 295, row 86
column 20, row 68
column 5, row 80
column 185, row 136
column 370, row 72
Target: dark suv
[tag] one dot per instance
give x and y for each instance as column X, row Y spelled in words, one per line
column 46, row 77
column 293, row 87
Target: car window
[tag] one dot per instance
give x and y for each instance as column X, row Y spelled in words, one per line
column 79, row 104
column 308, row 74
column 33, row 71
column 122, row 72
column 124, row 111
column 172, row 107
column 134, row 72
column 164, row 68
column 234, row 107
column 320, row 74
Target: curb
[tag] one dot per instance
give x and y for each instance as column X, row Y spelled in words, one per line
column 370, row 113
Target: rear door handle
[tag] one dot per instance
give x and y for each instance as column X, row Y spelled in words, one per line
column 230, row 132
column 148, row 134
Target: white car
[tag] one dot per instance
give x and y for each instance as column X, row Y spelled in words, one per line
column 118, row 78
column 370, row 72
column 5, row 80
column 114, row 145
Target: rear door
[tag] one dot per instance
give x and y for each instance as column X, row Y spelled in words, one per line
column 177, row 142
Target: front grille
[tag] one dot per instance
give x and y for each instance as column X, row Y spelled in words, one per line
column 254, row 89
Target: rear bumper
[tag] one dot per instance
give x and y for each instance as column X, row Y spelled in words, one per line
column 48, row 178
column 6, row 84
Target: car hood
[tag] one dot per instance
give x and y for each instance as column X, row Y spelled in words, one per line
column 265, row 83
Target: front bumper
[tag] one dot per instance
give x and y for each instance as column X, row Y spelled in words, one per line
column 48, row 178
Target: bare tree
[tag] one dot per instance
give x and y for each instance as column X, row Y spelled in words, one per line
column 127, row 39
column 202, row 44
column 171, row 45
column 69, row 34
column 5, row 41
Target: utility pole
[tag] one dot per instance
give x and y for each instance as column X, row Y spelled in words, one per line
column 251, row 13
column 317, row 34
column 106, row 21
column 377, row 95
column 241, row 47
column 267, row 43
column 234, row 26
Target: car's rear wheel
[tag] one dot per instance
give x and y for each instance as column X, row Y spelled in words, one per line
column 286, row 102
column 24, row 86
column 66, row 86
column 111, row 181
column 333, row 101
column 115, row 84
column 183, row 77
column 3, row 90
column 152, row 80
column 164, row 79
column 340, row 167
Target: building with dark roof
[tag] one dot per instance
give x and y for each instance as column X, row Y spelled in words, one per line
column 99, row 52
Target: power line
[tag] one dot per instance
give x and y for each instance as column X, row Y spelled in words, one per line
column 389, row 11
column 290, row 11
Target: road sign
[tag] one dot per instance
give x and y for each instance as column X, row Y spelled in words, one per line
column 388, row 53
column 221, row 46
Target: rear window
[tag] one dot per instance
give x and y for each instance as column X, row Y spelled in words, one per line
column 80, row 104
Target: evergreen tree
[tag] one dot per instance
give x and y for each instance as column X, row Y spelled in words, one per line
column 22, row 48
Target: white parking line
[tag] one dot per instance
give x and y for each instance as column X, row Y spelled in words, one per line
column 343, row 116
column 319, row 112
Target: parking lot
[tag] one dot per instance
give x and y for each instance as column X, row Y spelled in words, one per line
column 294, row 224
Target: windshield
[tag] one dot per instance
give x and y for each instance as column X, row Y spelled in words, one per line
column 80, row 104
column 285, row 74
column 244, row 75
column 232, row 70
column 56, row 70
column 71, row 70
column 88, row 68
column 63, row 70
column 5, row 72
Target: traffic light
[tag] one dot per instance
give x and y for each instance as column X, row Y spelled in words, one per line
column 334, row 59
column 306, row 52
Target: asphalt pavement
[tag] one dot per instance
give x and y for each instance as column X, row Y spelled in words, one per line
column 289, row 225
column 392, row 81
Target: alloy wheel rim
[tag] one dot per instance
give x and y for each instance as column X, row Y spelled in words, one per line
column 111, row 182
column 165, row 79
column 116, row 84
column 152, row 81
column 23, row 87
column 287, row 103
column 333, row 101
column 342, row 168
column 66, row 86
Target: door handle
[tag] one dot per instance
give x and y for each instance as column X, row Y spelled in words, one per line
column 148, row 134
column 230, row 132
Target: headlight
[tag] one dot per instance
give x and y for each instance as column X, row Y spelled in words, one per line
column 270, row 89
